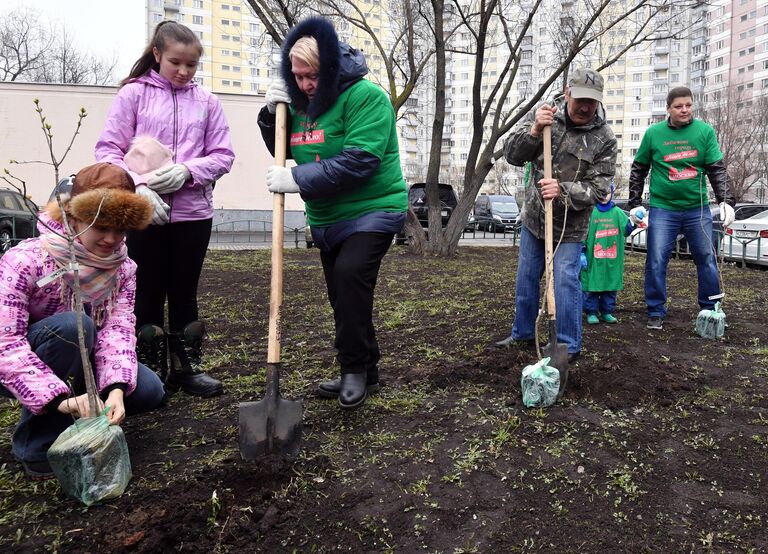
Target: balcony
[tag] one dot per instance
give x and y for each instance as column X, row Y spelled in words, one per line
column 172, row 7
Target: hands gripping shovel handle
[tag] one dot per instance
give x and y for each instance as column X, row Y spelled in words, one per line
column 272, row 426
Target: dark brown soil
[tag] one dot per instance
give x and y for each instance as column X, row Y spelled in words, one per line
column 660, row 444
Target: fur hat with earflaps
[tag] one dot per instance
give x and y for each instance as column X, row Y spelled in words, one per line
column 104, row 194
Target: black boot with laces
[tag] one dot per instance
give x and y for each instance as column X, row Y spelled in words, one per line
column 185, row 349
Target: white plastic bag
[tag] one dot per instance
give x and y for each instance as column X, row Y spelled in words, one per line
column 540, row 383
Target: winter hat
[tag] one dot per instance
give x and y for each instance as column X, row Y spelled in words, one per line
column 608, row 204
column 104, row 194
column 146, row 155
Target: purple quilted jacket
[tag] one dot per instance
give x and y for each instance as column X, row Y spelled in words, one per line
column 188, row 120
column 22, row 303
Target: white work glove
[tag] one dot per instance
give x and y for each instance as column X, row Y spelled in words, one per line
column 280, row 179
column 637, row 215
column 160, row 209
column 169, row 179
column 727, row 214
column 276, row 92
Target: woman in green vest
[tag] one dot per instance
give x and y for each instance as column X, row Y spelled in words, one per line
column 342, row 135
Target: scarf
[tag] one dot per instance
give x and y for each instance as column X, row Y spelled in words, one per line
column 98, row 276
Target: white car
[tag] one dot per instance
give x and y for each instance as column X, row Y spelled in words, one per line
column 747, row 240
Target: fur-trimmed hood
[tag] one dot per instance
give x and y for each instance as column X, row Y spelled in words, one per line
column 341, row 66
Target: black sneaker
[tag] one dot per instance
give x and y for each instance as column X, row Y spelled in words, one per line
column 655, row 323
column 38, row 471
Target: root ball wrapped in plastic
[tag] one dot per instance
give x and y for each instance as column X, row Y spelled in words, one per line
column 710, row 324
column 90, row 460
column 540, row 383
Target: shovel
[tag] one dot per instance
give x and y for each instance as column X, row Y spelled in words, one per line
column 272, row 426
column 557, row 352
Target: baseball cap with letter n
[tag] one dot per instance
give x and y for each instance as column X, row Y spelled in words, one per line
column 586, row 83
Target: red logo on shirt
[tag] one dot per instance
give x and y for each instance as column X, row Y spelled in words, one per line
column 607, row 233
column 603, row 253
column 687, row 173
column 681, row 155
column 308, row 137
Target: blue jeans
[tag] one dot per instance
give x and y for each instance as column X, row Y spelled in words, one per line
column 568, row 295
column 603, row 302
column 664, row 226
column 54, row 341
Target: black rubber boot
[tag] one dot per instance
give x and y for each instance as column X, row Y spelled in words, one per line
column 330, row 389
column 353, row 390
column 185, row 352
column 152, row 349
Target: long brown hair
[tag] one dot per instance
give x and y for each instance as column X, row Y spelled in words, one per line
column 166, row 31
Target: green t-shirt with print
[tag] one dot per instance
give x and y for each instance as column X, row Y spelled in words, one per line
column 677, row 157
column 363, row 118
column 605, row 251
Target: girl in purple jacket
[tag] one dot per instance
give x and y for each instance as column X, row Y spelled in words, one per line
column 159, row 99
column 38, row 327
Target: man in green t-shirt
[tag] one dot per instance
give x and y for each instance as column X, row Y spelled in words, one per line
column 679, row 152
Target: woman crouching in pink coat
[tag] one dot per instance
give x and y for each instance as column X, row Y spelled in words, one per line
column 38, row 324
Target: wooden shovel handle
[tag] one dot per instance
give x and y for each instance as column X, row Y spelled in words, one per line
column 548, row 238
column 278, row 224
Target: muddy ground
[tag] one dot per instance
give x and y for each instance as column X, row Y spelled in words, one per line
column 660, row 444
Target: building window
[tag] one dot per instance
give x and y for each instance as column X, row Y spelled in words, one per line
column 157, row 17
column 225, row 68
column 225, row 6
column 197, row 19
column 236, row 83
column 197, row 4
column 225, row 82
column 199, row 34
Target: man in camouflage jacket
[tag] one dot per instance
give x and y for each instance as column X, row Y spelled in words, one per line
column 583, row 164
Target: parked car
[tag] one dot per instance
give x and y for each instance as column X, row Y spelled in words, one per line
column 17, row 218
column 417, row 199
column 496, row 212
column 747, row 239
column 743, row 210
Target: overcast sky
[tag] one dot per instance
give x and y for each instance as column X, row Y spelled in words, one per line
column 103, row 27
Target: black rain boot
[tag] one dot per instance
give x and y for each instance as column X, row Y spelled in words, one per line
column 185, row 350
column 330, row 389
column 152, row 349
column 352, row 392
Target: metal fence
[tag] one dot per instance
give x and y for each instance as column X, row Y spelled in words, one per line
column 746, row 251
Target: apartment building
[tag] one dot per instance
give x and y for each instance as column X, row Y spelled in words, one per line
column 710, row 47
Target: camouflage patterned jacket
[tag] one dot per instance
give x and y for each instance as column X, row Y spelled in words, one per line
column 583, row 161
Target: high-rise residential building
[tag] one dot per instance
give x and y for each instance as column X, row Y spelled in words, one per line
column 240, row 57
column 713, row 47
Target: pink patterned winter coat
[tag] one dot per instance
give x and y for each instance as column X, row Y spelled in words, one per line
column 22, row 303
column 188, row 120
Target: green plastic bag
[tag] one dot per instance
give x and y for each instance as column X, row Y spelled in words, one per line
column 710, row 324
column 90, row 460
column 540, row 383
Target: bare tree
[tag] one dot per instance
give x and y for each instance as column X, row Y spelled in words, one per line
column 23, row 43
column 495, row 26
column 35, row 51
column 742, row 130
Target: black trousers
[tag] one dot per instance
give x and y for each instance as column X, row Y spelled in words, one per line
column 170, row 259
column 351, row 270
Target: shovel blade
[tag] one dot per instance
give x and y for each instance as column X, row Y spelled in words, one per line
column 557, row 352
column 270, row 427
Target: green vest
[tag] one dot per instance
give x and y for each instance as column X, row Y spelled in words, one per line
column 605, row 251
column 677, row 157
column 362, row 117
